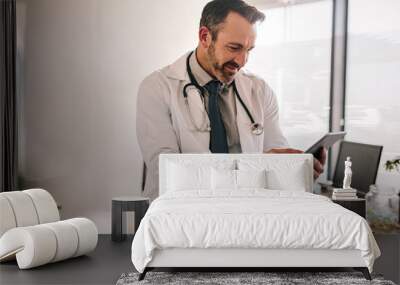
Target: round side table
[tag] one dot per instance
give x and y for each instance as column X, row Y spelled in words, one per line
column 122, row 204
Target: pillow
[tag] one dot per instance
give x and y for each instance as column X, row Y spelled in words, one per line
column 223, row 179
column 282, row 173
column 251, row 178
column 183, row 177
column 236, row 179
column 293, row 179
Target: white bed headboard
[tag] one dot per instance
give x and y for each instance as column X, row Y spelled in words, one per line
column 277, row 161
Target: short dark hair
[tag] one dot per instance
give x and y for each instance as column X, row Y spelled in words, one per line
column 216, row 11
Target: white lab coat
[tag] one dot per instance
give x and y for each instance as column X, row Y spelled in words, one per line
column 163, row 124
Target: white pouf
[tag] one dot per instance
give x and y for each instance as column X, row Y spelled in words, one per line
column 31, row 232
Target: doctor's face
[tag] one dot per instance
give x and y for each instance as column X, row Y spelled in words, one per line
column 229, row 52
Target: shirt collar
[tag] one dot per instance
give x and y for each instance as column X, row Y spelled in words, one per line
column 199, row 73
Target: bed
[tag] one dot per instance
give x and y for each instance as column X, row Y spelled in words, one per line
column 247, row 210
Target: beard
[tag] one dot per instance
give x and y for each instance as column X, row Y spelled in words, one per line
column 220, row 69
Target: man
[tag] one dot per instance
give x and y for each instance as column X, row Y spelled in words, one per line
column 205, row 102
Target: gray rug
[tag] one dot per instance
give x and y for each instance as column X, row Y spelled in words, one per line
column 243, row 278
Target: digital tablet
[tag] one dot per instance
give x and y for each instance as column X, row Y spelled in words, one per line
column 326, row 141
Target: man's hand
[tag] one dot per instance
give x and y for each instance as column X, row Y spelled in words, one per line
column 318, row 163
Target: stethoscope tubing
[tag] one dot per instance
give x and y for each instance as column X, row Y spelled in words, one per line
column 242, row 103
column 193, row 82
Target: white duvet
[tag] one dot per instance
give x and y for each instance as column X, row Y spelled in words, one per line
column 252, row 218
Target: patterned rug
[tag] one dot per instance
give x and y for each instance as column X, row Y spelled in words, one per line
column 244, row 278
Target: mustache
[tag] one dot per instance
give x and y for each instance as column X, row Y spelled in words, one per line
column 232, row 63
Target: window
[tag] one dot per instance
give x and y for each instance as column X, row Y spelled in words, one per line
column 292, row 54
column 373, row 80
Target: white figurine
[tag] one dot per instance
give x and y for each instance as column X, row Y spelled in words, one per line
column 347, row 174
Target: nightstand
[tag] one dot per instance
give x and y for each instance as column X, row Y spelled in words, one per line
column 358, row 205
column 122, row 204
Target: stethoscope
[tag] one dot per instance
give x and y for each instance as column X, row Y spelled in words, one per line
column 256, row 128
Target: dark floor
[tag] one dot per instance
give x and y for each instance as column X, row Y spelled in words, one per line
column 110, row 260
column 389, row 262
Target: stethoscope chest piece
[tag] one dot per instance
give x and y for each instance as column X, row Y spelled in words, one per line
column 257, row 129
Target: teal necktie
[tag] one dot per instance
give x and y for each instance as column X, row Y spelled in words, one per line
column 218, row 140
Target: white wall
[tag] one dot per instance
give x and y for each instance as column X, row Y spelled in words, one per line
column 81, row 63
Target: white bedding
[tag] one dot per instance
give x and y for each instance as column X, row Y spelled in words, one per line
column 251, row 218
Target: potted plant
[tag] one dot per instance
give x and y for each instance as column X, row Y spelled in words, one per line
column 393, row 164
column 377, row 211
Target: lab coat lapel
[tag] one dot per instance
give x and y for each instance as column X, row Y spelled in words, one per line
column 249, row 143
column 178, row 71
column 192, row 139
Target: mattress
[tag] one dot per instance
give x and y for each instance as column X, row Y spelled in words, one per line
column 252, row 219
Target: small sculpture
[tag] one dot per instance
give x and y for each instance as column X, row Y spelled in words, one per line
column 347, row 174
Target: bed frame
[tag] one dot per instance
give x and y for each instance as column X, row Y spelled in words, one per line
column 241, row 259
